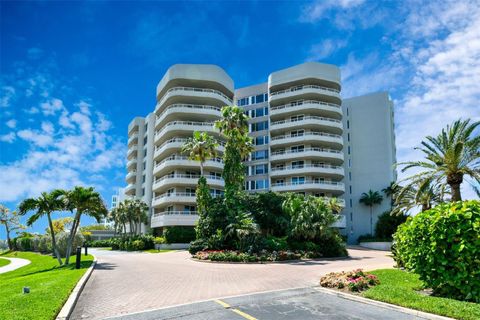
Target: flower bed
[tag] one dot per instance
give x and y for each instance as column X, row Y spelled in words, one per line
column 262, row 256
column 355, row 280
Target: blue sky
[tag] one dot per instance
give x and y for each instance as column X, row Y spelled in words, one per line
column 73, row 74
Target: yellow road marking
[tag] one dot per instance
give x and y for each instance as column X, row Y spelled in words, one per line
column 241, row 313
column 223, row 304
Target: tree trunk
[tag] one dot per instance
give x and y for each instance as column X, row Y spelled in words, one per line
column 371, row 220
column 454, row 181
column 9, row 241
column 54, row 243
column 71, row 236
column 201, row 169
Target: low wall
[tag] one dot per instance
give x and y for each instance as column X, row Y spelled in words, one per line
column 385, row 246
column 172, row 246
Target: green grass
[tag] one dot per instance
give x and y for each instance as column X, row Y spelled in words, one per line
column 4, row 262
column 50, row 286
column 399, row 287
column 157, row 251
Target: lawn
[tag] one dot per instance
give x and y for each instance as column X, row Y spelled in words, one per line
column 50, row 286
column 399, row 287
column 4, row 262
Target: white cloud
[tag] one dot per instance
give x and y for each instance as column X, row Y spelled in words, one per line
column 325, row 48
column 32, row 110
column 35, row 137
column 8, row 138
column 8, row 94
column 319, row 9
column 50, row 107
column 12, row 123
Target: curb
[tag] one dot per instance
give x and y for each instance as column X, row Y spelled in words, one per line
column 348, row 296
column 67, row 308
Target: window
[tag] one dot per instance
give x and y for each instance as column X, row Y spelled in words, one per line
column 258, row 126
column 260, row 154
column 321, row 194
column 216, row 192
column 280, row 182
column 296, row 118
column 170, row 191
column 143, row 178
column 261, row 140
column 170, row 209
column 260, row 98
column 261, row 169
column 190, row 191
column 297, row 148
column 144, row 152
column 145, row 140
column 143, row 192
column 348, row 149
column 297, row 133
column 217, row 175
column 297, row 164
column 188, row 209
column 146, row 127
column 319, row 180
column 298, row 180
column 351, row 203
column 258, row 184
column 348, row 124
column 350, row 187
column 348, row 136
column 144, row 165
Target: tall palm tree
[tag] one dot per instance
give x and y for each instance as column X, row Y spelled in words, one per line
column 370, row 199
column 454, row 153
column 44, row 205
column 391, row 191
column 83, row 201
column 334, row 205
column 234, row 121
column 425, row 194
column 139, row 210
column 200, row 147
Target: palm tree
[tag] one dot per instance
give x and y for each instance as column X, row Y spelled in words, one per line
column 83, row 201
column 391, row 191
column 455, row 152
column 370, row 199
column 240, row 227
column 44, row 205
column 425, row 194
column 200, row 147
column 234, row 121
column 334, row 204
column 139, row 210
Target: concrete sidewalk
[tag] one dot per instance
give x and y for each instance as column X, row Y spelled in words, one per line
column 14, row 264
column 133, row 282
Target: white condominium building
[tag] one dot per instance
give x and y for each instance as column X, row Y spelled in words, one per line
column 306, row 141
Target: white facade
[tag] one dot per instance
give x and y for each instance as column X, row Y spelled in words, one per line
column 307, row 140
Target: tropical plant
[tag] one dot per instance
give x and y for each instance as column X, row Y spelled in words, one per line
column 310, row 216
column 200, row 147
column 11, row 222
column 82, row 201
column 391, row 191
column 450, row 156
column 234, row 125
column 334, row 204
column 370, row 199
column 425, row 194
column 138, row 214
column 442, row 246
column 203, row 200
column 44, row 205
column 387, row 225
column 240, row 226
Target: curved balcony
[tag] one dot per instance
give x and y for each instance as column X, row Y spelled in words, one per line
column 173, row 180
column 310, row 185
column 131, row 164
column 309, row 106
column 308, row 122
column 176, row 161
column 174, row 128
column 176, row 197
column 175, row 144
column 308, row 92
column 174, row 218
column 132, row 152
column 210, row 96
column 330, row 139
column 130, row 178
column 308, row 153
column 323, row 169
column 133, row 138
column 178, row 111
column 130, row 189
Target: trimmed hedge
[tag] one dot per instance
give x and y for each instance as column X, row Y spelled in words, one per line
column 179, row 234
column 442, row 246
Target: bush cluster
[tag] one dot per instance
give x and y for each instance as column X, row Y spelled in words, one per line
column 442, row 245
column 43, row 243
column 237, row 256
column 132, row 243
column 179, row 234
column 385, row 227
column 355, row 280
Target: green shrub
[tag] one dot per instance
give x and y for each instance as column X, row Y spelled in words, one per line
column 387, row 225
column 442, row 246
column 370, row 238
column 62, row 239
column 99, row 243
column 24, row 243
column 159, row 240
column 276, row 244
column 330, row 244
column 179, row 234
column 197, row 245
column 138, row 245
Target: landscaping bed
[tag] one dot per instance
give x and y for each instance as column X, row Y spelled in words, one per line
column 50, row 286
column 404, row 289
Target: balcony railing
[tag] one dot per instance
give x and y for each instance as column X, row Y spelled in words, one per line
column 302, row 102
column 191, row 89
column 187, row 176
column 178, row 157
column 191, row 106
column 165, row 213
column 297, row 88
column 323, row 134
column 326, row 166
column 184, row 123
column 182, row 140
column 306, row 150
column 305, row 118
column 175, row 194
column 282, row 184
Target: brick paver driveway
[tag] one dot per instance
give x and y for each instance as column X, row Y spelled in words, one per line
column 124, row 283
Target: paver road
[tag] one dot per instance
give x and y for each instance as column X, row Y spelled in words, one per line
column 124, row 283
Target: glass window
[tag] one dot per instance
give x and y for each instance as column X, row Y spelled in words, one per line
column 297, row 164
column 298, row 180
column 260, row 154
column 260, row 98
